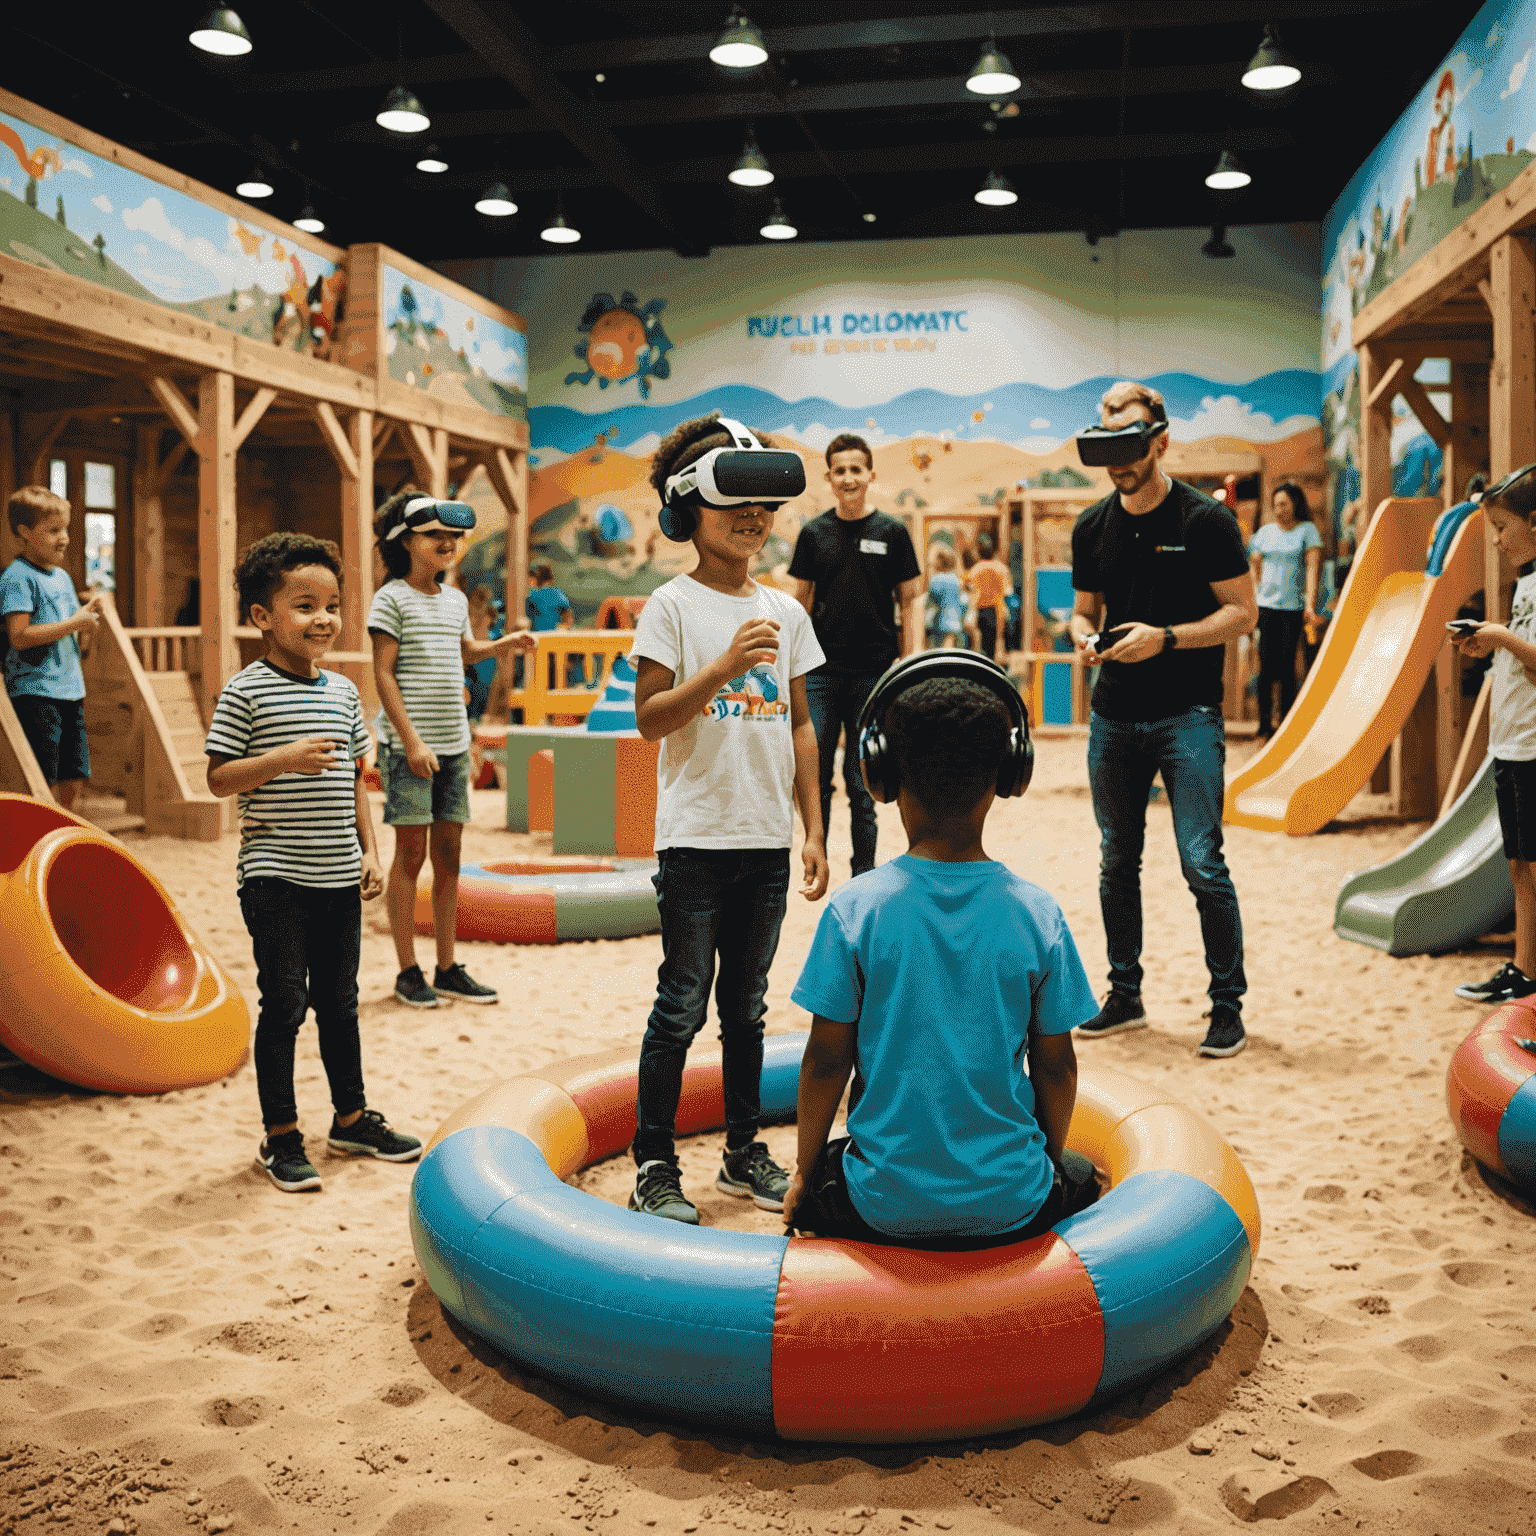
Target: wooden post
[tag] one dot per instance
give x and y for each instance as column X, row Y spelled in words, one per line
column 148, row 529
column 357, row 535
column 216, row 532
column 1375, row 431
column 428, row 448
column 1511, row 387
column 508, row 474
column 1414, row 780
column 1450, row 718
column 8, row 544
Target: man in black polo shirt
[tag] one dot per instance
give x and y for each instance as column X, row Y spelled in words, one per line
column 1163, row 567
column 851, row 566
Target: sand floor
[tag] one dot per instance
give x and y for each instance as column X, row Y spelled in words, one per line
column 183, row 1346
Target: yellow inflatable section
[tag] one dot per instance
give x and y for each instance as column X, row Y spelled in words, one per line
column 1375, row 659
column 101, row 982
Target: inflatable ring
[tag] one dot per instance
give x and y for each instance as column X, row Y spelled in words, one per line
column 101, row 982
column 818, row 1339
column 1490, row 1090
column 542, row 901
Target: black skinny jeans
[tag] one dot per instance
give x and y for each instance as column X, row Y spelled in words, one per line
column 1279, row 632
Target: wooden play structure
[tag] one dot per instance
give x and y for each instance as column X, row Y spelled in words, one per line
column 1471, row 300
column 190, row 429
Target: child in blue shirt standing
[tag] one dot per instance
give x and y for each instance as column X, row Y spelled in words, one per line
column 721, row 663
column 935, row 981
column 44, row 624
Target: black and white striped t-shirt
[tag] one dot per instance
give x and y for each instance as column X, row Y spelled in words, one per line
column 299, row 826
column 430, row 666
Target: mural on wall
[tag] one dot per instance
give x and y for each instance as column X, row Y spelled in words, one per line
column 968, row 365
column 438, row 343
column 65, row 209
column 1466, row 136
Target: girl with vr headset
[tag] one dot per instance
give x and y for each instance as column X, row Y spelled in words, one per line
column 721, row 664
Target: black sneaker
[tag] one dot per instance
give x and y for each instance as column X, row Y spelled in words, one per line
column 1226, row 1035
column 411, row 989
column 659, row 1192
column 1120, row 1012
column 750, row 1174
column 1509, row 981
column 457, row 985
column 283, row 1161
column 373, row 1136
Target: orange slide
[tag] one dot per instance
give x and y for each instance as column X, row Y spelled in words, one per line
column 1378, row 653
column 101, row 982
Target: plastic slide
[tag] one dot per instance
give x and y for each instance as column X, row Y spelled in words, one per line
column 1375, row 659
column 1445, row 889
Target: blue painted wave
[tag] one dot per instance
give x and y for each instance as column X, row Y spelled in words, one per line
column 1015, row 408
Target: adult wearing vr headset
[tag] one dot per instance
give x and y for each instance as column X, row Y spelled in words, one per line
column 1162, row 583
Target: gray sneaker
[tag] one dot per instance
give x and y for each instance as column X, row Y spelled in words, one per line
column 284, row 1161
column 659, row 1192
column 750, row 1174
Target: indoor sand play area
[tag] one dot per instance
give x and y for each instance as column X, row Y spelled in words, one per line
column 1302, row 1293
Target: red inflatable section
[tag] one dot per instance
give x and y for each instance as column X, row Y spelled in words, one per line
column 862, row 1331
column 1485, row 1073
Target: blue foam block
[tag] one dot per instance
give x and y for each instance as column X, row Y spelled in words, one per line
column 1168, row 1258
column 1517, row 1133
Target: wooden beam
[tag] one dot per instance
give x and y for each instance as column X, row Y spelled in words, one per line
column 149, row 477
column 1486, row 290
column 418, row 444
column 335, row 439
column 1474, row 748
column 255, row 409
column 35, row 445
column 1423, row 407
column 1512, row 381
column 1388, row 384
column 171, row 462
column 382, row 434
column 1375, row 437
column 216, row 533
column 357, row 535
column 19, row 770
column 439, row 461
column 8, row 487
column 508, row 474
column 175, row 405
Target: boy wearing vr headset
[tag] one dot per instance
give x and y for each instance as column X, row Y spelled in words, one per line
column 422, row 642
column 721, row 664
column 933, row 980
column 1162, row 583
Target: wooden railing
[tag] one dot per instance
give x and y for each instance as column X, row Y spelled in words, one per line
column 168, row 647
column 545, row 691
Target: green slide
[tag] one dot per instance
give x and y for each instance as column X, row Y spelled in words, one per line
column 1448, row 887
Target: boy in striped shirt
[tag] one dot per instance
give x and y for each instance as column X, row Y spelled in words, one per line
column 288, row 738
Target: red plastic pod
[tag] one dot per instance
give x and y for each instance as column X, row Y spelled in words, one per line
column 1484, row 1075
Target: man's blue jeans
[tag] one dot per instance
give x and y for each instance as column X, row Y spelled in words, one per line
column 1190, row 751
column 835, row 700
column 729, row 901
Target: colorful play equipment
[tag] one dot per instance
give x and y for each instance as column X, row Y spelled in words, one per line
column 1490, row 1090
column 816, row 1339
column 543, row 901
column 101, row 982
column 602, row 799
column 548, row 688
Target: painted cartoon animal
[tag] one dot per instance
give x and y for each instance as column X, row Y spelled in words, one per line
column 753, row 693
column 36, row 163
column 1441, row 128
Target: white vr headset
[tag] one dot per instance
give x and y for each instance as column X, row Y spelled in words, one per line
column 736, row 476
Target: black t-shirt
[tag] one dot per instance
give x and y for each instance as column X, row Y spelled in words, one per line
column 856, row 567
column 1158, row 569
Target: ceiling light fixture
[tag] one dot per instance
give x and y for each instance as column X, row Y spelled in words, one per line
column 996, row 191
column 778, row 226
column 740, row 45
column 403, row 113
column 309, row 221
column 432, row 161
column 496, row 201
column 752, row 170
column 992, row 74
column 1216, row 247
column 1272, row 68
column 557, row 231
column 222, row 32
column 1229, row 174
column 255, row 185
column 869, row 218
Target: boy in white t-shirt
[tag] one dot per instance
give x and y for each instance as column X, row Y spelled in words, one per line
column 1510, row 507
column 721, row 664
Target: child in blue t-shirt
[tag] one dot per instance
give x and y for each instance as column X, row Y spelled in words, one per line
column 946, row 599
column 948, row 987
column 548, row 607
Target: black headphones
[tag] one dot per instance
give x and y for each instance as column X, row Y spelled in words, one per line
column 879, row 761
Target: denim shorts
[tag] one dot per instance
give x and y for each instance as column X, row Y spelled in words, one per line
column 413, row 802
column 55, row 730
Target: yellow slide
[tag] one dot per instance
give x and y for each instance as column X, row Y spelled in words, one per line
column 1375, row 659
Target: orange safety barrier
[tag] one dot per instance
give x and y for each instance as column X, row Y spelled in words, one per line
column 545, row 692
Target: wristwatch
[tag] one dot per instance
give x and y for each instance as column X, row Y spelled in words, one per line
column 1170, row 640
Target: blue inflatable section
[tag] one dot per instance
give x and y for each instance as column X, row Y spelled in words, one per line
column 780, row 1088
column 672, row 1318
column 1517, row 1134
column 1447, row 525
column 1168, row 1258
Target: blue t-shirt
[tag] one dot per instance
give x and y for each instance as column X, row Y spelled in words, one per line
column 1283, row 575
column 944, row 589
column 545, row 605
column 945, row 968
column 49, row 671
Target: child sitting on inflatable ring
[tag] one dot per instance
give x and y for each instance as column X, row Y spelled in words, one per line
column 933, row 980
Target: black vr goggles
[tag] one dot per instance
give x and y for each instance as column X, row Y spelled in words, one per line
column 1100, row 448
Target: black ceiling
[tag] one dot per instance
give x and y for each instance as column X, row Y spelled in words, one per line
column 862, row 109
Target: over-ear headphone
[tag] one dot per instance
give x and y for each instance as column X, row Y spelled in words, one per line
column 879, row 761
column 741, row 473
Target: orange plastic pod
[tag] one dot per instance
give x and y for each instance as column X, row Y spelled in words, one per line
column 1484, row 1075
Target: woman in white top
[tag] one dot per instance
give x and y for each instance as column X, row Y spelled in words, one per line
column 1286, row 555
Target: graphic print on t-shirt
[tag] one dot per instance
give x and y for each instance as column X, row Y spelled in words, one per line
column 752, row 696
